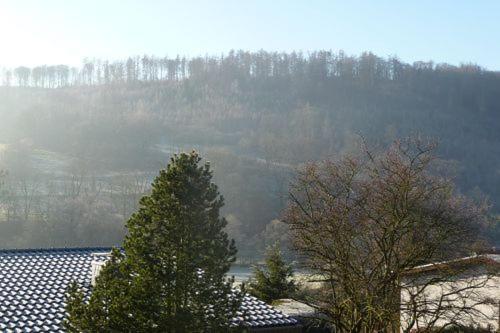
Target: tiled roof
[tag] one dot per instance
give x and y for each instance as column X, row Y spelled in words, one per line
column 255, row 313
column 33, row 285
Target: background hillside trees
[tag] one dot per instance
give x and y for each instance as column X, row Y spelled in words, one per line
column 256, row 115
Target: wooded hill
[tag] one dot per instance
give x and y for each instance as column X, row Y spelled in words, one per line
column 254, row 115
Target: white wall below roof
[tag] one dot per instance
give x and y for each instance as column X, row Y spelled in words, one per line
column 483, row 298
column 97, row 264
column 294, row 308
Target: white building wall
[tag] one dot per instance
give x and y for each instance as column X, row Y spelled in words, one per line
column 479, row 292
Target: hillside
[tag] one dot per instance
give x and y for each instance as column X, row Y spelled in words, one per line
column 254, row 115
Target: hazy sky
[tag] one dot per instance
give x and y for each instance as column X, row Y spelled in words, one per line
column 65, row 31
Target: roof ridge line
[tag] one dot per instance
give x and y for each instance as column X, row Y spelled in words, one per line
column 56, row 249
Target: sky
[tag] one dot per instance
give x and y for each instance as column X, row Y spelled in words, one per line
column 35, row 32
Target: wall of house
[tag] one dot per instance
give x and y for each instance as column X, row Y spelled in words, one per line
column 470, row 299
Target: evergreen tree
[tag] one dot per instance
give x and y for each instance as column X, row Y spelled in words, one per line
column 275, row 281
column 170, row 276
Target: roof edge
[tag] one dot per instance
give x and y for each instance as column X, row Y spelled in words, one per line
column 464, row 262
column 57, row 249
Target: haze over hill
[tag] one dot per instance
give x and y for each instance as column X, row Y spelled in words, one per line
column 80, row 145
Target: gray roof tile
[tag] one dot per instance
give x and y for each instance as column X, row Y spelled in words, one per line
column 33, row 285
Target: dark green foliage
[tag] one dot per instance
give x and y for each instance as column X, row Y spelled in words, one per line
column 275, row 281
column 173, row 264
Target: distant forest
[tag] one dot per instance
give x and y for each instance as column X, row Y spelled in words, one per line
column 80, row 145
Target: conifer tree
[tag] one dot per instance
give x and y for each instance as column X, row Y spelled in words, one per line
column 275, row 281
column 171, row 274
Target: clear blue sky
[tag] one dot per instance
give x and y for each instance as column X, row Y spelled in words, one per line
column 65, row 31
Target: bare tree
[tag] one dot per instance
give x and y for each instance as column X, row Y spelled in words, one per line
column 126, row 190
column 362, row 222
column 22, row 75
column 7, row 77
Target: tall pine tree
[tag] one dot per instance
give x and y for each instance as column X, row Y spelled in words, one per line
column 171, row 274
